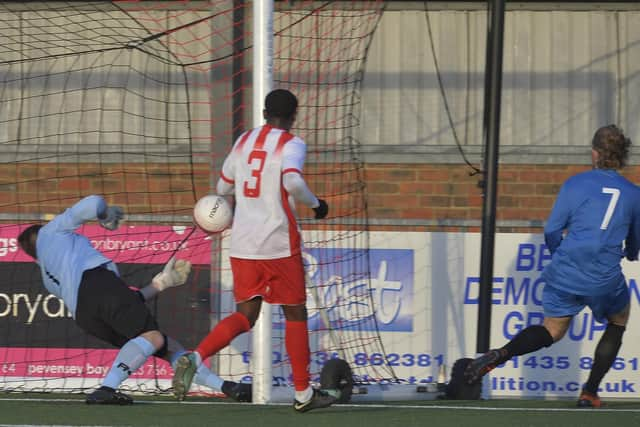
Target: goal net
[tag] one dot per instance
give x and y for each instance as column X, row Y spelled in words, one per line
column 140, row 102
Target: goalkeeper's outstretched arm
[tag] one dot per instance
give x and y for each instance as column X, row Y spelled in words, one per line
column 88, row 209
column 174, row 273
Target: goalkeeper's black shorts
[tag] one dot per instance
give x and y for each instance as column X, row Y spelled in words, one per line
column 109, row 309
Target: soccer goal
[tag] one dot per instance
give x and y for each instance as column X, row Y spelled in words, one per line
column 140, row 102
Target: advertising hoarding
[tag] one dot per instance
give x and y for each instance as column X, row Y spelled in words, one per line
column 424, row 290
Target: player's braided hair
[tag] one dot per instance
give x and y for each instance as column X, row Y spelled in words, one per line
column 612, row 146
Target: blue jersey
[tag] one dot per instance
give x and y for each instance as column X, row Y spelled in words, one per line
column 64, row 255
column 599, row 210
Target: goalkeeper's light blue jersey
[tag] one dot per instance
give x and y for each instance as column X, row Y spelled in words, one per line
column 599, row 210
column 64, row 255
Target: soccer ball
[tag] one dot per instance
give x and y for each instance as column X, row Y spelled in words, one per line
column 212, row 213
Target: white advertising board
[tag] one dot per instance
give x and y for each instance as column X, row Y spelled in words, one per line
column 425, row 288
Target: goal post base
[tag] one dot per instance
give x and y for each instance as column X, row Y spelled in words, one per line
column 395, row 392
column 374, row 393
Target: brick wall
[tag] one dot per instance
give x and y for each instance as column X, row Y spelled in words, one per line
column 395, row 192
column 525, row 192
column 141, row 188
column 450, row 191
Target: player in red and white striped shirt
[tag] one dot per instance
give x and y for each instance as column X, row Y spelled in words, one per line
column 264, row 173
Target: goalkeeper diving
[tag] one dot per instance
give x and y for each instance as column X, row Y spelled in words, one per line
column 103, row 305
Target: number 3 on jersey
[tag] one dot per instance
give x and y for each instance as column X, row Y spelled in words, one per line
column 615, row 195
column 256, row 161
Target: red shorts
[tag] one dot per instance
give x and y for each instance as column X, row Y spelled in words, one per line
column 277, row 281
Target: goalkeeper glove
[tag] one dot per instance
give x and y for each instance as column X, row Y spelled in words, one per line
column 174, row 273
column 113, row 215
column 321, row 210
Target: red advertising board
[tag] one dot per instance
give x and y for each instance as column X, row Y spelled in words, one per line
column 38, row 337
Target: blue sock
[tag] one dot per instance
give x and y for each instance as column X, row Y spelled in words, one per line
column 174, row 356
column 130, row 358
column 207, row 378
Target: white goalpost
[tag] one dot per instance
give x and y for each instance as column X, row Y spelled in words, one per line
column 261, row 360
column 262, row 84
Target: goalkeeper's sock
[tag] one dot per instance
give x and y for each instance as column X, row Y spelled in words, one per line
column 527, row 341
column 297, row 344
column 207, row 378
column 130, row 358
column 606, row 352
column 174, row 356
column 224, row 332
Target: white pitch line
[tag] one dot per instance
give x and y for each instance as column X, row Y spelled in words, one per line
column 485, row 408
column 357, row 405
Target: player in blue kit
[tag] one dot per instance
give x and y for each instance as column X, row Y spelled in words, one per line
column 102, row 304
column 594, row 214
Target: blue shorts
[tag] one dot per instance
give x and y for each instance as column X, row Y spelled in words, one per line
column 557, row 303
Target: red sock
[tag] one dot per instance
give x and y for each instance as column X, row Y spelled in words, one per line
column 223, row 333
column 297, row 343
